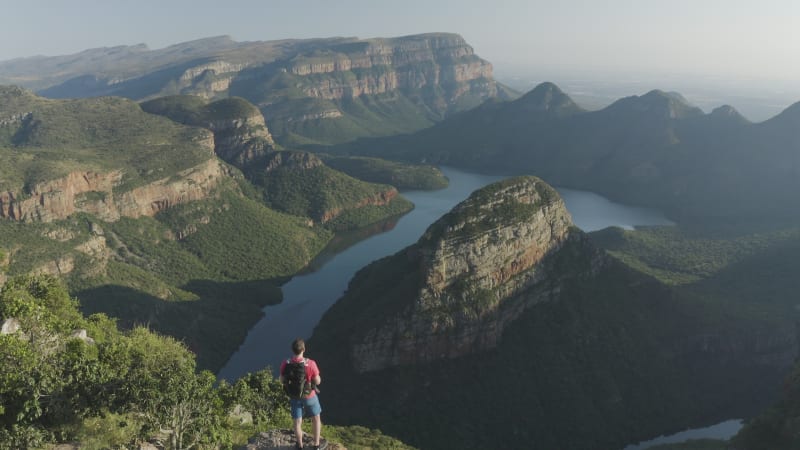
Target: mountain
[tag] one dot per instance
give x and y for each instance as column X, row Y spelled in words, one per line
column 504, row 325
column 293, row 182
column 301, row 184
column 310, row 91
column 152, row 219
column 655, row 150
column 141, row 218
column 241, row 136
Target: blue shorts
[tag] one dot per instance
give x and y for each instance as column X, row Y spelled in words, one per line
column 310, row 406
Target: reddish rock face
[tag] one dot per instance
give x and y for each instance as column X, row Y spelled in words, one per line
column 93, row 193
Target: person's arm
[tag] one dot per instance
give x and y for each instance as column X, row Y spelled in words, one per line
column 316, row 379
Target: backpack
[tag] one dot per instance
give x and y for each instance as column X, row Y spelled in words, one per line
column 295, row 383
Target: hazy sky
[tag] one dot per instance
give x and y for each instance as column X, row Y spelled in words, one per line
column 729, row 38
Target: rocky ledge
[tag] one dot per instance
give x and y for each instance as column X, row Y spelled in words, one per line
column 284, row 440
column 404, row 63
column 476, row 267
column 94, row 193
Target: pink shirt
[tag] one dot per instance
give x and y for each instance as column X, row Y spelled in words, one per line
column 312, row 371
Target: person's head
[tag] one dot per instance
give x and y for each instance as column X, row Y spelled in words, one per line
column 298, row 346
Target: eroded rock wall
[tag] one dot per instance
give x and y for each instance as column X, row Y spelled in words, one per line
column 93, row 193
column 474, row 263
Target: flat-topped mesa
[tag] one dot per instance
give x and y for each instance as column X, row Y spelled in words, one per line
column 404, row 63
column 477, row 268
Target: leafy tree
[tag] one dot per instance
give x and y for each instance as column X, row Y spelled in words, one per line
column 259, row 393
column 25, row 381
column 116, row 389
column 41, row 302
column 164, row 388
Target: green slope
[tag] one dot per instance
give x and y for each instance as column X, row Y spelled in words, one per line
column 302, row 185
column 43, row 139
column 199, row 271
column 400, row 175
column 232, row 254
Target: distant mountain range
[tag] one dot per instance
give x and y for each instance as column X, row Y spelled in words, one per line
column 655, row 150
column 310, row 91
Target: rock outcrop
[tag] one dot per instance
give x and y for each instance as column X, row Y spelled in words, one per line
column 432, row 74
column 209, row 79
column 240, row 134
column 472, row 263
column 285, row 440
column 93, row 193
column 242, row 140
column 385, row 65
column 10, row 326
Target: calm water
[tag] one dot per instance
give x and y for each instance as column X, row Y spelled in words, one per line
column 306, row 297
column 724, row 430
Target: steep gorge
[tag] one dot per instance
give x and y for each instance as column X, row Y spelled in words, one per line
column 558, row 343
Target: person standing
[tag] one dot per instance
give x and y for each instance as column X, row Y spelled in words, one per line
column 300, row 377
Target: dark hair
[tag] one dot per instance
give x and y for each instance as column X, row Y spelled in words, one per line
column 298, row 346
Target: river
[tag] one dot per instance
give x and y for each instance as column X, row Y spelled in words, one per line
column 724, row 430
column 307, row 296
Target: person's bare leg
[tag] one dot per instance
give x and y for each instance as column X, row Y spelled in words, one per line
column 298, row 431
column 317, row 428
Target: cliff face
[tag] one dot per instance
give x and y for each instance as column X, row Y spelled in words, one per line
column 321, row 93
column 298, row 84
column 93, row 193
column 503, row 299
column 385, row 65
column 472, row 263
column 209, row 79
column 240, row 134
column 242, row 140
